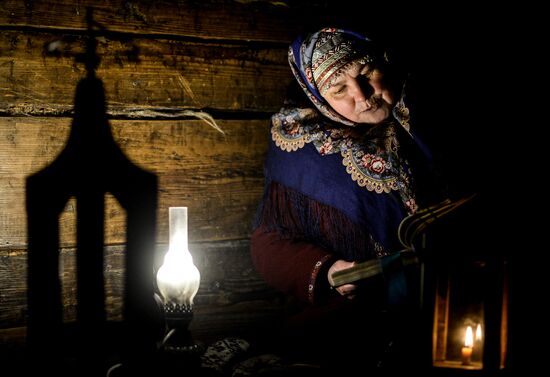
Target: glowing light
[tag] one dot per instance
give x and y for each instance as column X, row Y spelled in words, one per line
column 478, row 333
column 468, row 349
column 178, row 278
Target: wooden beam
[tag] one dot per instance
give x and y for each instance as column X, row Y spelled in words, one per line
column 142, row 77
column 230, row 286
column 218, row 176
column 271, row 21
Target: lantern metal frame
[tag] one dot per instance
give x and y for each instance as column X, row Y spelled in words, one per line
column 445, row 254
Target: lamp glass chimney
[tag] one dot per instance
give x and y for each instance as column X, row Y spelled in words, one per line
column 178, row 278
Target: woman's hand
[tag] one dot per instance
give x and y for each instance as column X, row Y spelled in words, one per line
column 346, row 290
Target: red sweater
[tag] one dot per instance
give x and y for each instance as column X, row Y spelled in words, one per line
column 292, row 266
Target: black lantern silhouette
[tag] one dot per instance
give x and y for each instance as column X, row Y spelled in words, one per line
column 90, row 166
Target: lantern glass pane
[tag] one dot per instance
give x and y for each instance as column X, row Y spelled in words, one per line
column 458, row 319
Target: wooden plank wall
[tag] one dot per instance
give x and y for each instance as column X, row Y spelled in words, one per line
column 159, row 59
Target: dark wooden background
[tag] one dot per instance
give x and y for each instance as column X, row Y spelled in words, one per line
column 158, row 60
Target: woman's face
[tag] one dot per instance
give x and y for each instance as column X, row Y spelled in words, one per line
column 360, row 95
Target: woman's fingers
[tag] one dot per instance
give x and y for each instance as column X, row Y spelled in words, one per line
column 347, row 290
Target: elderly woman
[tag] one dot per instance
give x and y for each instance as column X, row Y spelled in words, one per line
column 341, row 173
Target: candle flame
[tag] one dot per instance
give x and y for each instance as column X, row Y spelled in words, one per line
column 478, row 332
column 469, row 338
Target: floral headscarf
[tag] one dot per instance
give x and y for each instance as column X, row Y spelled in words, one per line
column 371, row 157
column 319, row 58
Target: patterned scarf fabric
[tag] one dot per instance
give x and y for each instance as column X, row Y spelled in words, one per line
column 340, row 184
column 318, row 59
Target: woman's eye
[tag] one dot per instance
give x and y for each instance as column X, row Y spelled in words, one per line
column 339, row 91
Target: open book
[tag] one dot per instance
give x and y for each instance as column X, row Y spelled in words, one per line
column 416, row 224
column 410, row 228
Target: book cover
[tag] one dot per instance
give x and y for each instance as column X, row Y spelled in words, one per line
column 408, row 231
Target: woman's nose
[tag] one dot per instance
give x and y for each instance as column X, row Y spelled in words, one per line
column 362, row 89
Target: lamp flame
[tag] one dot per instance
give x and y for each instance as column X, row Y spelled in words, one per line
column 178, row 279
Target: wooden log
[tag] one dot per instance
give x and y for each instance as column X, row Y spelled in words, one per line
column 13, row 280
column 218, row 176
column 272, row 21
column 142, row 77
column 230, row 286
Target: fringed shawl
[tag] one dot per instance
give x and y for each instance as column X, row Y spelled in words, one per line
column 337, row 200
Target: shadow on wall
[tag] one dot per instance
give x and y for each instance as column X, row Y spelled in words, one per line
column 90, row 165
